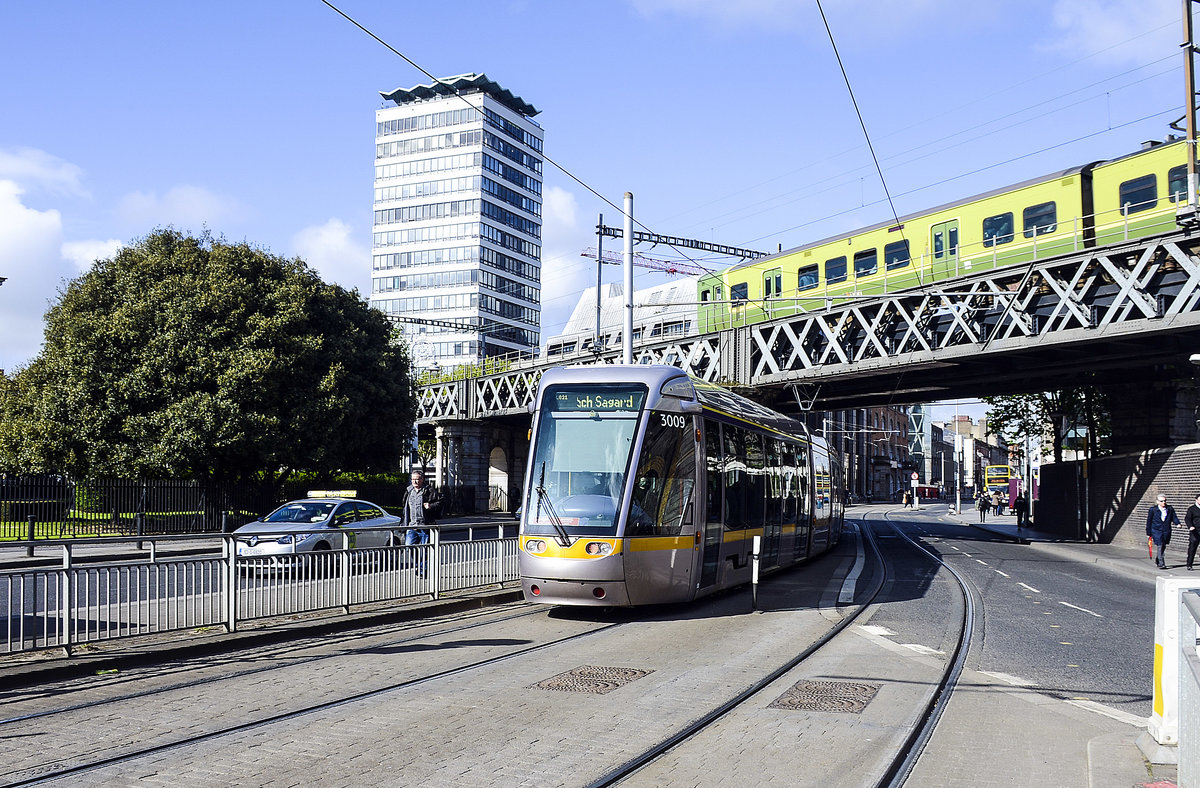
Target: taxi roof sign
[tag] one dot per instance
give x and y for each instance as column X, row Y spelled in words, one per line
column 333, row 493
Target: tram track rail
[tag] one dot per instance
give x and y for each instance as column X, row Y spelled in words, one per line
column 903, row 761
column 49, row 774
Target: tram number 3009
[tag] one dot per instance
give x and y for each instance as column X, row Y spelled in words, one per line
column 673, row 421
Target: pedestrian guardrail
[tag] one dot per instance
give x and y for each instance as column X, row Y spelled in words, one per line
column 1189, row 690
column 111, row 596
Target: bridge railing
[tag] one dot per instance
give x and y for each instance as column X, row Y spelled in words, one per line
column 107, row 598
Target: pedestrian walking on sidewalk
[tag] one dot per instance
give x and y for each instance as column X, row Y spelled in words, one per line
column 1192, row 521
column 1021, row 510
column 421, row 507
column 1159, row 520
column 983, row 503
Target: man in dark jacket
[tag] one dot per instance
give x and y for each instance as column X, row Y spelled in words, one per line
column 1159, row 520
column 421, row 506
column 1192, row 521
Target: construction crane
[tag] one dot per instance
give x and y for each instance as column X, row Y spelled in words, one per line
column 645, row 261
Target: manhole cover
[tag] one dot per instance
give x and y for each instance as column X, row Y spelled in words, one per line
column 842, row 696
column 594, row 679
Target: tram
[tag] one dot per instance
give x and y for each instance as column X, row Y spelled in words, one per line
column 648, row 486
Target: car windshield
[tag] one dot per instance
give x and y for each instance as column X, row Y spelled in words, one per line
column 301, row 512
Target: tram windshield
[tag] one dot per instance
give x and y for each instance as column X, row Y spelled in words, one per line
column 581, row 458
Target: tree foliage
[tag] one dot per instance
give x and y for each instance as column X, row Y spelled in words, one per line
column 1019, row 415
column 186, row 356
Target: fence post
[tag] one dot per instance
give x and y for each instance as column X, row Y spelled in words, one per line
column 30, row 534
column 140, row 520
column 66, row 604
column 435, row 561
column 224, row 522
column 344, row 562
column 500, row 553
column 229, row 547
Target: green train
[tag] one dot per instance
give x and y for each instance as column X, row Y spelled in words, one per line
column 1095, row 204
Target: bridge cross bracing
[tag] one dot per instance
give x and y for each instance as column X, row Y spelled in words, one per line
column 1103, row 314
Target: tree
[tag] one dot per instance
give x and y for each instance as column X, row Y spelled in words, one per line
column 1019, row 415
column 186, row 356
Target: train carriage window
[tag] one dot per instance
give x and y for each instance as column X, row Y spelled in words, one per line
column 704, row 294
column 835, row 270
column 1177, row 183
column 1040, row 219
column 1139, row 194
column 998, row 229
column 807, row 278
column 866, row 262
column 739, row 292
column 756, row 477
column 736, row 482
column 895, row 255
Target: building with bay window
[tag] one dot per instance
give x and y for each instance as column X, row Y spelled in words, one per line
column 456, row 249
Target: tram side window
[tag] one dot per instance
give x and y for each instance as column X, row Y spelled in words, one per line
column 1040, row 219
column 787, row 462
column 736, row 480
column 895, row 255
column 666, row 475
column 712, row 458
column 807, row 278
column 1177, row 183
column 866, row 262
column 998, row 229
column 739, row 292
column 835, row 270
column 775, row 481
column 1139, row 194
column 756, row 477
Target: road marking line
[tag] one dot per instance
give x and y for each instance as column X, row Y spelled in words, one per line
column 1015, row 681
column 1030, row 588
column 980, row 562
column 920, row 649
column 1081, row 609
column 1003, row 574
column 875, row 629
column 1115, row 714
column 846, row 595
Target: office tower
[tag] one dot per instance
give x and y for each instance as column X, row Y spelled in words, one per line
column 458, row 219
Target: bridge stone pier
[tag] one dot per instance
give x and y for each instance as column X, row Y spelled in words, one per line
column 480, row 465
column 1152, row 412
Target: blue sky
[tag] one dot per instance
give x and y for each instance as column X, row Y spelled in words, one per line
column 728, row 119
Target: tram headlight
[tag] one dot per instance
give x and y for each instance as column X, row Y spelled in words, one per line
column 598, row 548
column 534, row 545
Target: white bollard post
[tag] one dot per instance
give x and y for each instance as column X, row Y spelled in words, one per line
column 1163, row 724
column 754, row 573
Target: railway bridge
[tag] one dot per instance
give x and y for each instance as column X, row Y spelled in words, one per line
column 1125, row 317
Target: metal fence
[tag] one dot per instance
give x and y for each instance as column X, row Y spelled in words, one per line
column 77, row 603
column 56, row 507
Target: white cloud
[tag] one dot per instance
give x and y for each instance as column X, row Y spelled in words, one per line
column 36, row 169
column 31, row 260
column 187, row 208
column 330, row 248
column 84, row 253
column 565, row 275
column 1117, row 30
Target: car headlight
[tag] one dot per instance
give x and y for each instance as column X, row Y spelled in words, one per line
column 534, row 545
column 285, row 539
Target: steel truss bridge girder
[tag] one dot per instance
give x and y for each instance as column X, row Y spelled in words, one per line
column 1097, row 314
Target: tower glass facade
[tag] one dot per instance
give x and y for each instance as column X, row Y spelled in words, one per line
column 458, row 219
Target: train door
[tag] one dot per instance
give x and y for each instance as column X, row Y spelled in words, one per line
column 944, row 246
column 772, row 287
column 714, row 518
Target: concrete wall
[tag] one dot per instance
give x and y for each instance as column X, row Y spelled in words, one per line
column 1109, row 502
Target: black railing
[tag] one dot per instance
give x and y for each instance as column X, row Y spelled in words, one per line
column 62, row 507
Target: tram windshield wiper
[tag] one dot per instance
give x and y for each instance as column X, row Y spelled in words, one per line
column 564, row 538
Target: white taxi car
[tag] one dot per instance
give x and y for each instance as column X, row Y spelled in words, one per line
column 313, row 524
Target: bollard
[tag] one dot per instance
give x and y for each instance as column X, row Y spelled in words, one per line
column 140, row 519
column 224, row 522
column 31, row 535
column 754, row 573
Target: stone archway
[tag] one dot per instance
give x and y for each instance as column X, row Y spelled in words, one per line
column 498, row 481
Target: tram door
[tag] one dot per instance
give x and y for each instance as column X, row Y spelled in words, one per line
column 944, row 245
column 714, row 527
